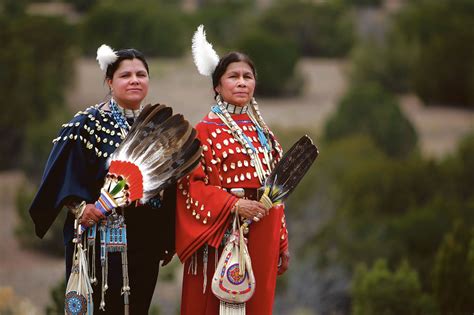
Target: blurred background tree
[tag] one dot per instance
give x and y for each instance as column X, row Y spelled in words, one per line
column 319, row 28
column 367, row 108
column 380, row 291
column 33, row 78
column 156, row 27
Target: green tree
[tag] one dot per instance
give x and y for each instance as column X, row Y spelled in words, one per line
column 378, row 291
column 224, row 21
column 442, row 35
column 453, row 275
column 155, row 29
column 275, row 59
column 388, row 62
column 33, row 77
column 368, row 109
column 319, row 28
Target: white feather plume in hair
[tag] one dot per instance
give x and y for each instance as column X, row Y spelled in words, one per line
column 105, row 56
column 205, row 57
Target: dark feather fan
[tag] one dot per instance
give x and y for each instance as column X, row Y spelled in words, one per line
column 289, row 171
column 159, row 149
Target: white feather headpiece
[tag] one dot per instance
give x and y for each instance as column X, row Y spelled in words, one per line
column 105, row 56
column 205, row 57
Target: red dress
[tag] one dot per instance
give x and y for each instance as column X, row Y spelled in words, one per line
column 203, row 215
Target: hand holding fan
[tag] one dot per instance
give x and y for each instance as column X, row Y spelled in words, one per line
column 288, row 173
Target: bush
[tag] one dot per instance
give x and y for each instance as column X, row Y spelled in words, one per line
column 319, row 29
column 387, row 63
column 368, row 109
column 442, row 33
column 275, row 59
column 82, row 5
column 154, row 29
column 380, row 291
column 38, row 143
column 453, row 276
column 224, row 21
column 57, row 295
column 52, row 243
column 33, row 77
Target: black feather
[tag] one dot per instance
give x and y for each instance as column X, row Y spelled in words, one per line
column 291, row 169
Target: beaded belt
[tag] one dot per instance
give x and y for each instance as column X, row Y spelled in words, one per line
column 247, row 193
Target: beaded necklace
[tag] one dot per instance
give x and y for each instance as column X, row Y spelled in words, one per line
column 120, row 115
column 221, row 111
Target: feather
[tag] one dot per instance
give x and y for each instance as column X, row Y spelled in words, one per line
column 205, row 57
column 105, row 56
column 159, row 149
column 290, row 170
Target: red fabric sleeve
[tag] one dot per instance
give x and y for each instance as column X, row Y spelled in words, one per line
column 202, row 205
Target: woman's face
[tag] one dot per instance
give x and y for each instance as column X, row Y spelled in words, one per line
column 129, row 84
column 237, row 84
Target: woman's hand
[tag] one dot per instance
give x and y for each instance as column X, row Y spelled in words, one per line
column 91, row 215
column 251, row 209
column 284, row 262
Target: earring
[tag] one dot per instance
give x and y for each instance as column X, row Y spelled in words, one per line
column 218, row 99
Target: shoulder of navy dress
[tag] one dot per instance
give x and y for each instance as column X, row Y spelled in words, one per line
column 95, row 129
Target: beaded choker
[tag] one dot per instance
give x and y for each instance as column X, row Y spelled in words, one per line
column 233, row 109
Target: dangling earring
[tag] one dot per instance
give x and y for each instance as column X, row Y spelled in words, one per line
column 218, row 99
column 253, row 101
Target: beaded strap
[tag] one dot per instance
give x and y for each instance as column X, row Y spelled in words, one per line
column 118, row 116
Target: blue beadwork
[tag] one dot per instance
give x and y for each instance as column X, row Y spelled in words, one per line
column 75, row 304
column 118, row 116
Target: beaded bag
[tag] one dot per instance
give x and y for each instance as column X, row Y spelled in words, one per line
column 233, row 281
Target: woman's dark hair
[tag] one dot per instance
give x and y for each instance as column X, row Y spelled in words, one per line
column 122, row 55
column 225, row 61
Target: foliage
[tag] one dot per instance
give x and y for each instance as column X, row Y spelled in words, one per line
column 442, row 34
column 322, row 28
column 38, row 143
column 82, row 5
column 368, row 109
column 380, row 291
column 364, row 3
column 33, row 76
column 224, row 21
column 387, row 63
column 56, row 304
column 25, row 230
column 361, row 206
column 453, row 276
column 153, row 28
column 13, row 8
column 275, row 59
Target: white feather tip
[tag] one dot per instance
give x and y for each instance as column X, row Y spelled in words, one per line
column 105, row 56
column 205, row 57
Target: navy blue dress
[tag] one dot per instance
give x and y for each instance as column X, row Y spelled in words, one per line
column 74, row 172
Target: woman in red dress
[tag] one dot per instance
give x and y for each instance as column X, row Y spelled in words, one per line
column 239, row 151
